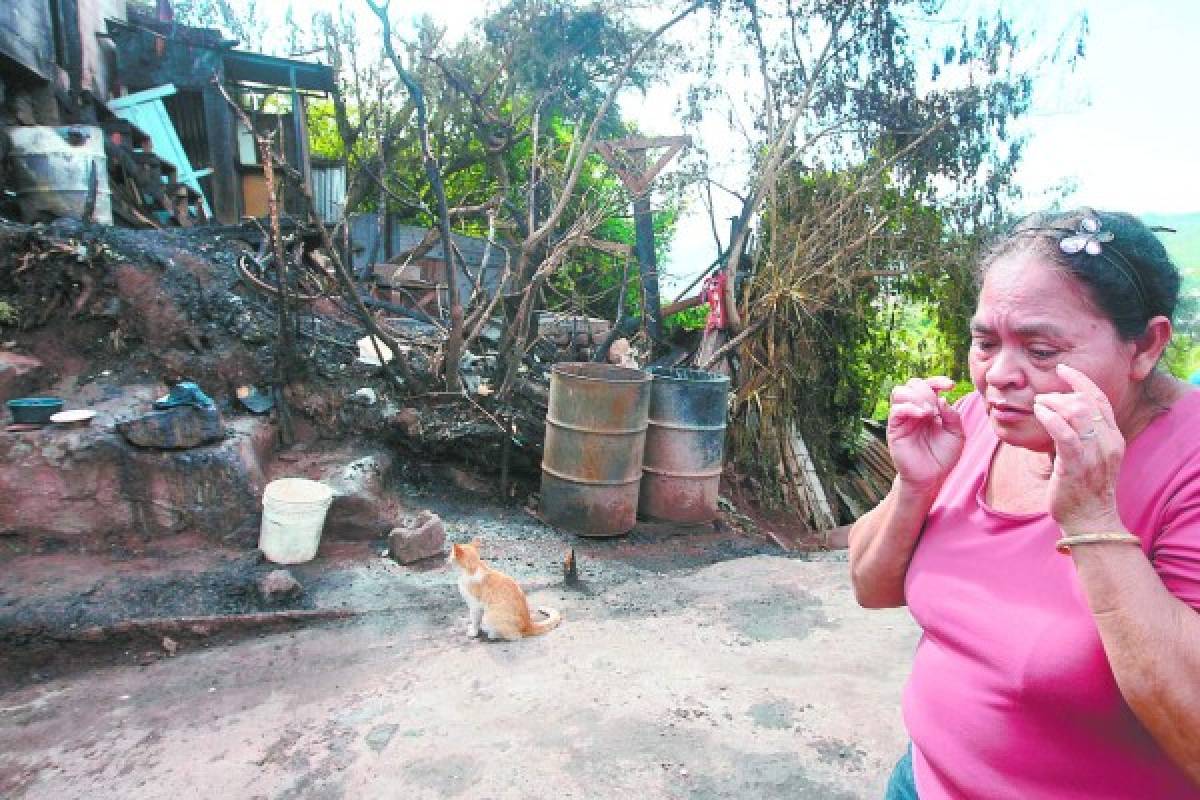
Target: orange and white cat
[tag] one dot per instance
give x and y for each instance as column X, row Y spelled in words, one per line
column 497, row 607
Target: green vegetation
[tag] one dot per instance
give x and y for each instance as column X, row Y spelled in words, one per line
column 8, row 314
column 690, row 319
column 1183, row 356
column 1183, row 244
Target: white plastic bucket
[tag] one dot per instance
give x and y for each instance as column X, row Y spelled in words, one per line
column 293, row 516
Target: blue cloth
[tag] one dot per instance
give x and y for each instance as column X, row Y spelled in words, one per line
column 184, row 393
column 902, row 785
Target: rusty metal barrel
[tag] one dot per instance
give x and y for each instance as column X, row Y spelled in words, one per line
column 592, row 460
column 685, row 445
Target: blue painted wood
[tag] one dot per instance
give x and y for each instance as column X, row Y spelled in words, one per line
column 145, row 109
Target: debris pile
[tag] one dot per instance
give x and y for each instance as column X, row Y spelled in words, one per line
column 112, row 320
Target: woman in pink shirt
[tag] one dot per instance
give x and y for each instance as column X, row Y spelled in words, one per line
column 1045, row 533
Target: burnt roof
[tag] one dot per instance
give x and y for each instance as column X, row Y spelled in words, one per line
column 274, row 71
column 240, row 66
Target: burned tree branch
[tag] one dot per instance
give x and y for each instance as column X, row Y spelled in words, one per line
column 770, row 171
column 285, row 345
column 271, row 160
column 433, row 172
column 529, row 273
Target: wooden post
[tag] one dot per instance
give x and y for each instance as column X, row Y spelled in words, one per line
column 628, row 159
column 219, row 121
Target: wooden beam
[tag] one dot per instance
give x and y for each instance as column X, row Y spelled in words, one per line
column 682, row 305
column 627, row 158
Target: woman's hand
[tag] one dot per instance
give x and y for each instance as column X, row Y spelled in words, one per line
column 925, row 435
column 1088, row 449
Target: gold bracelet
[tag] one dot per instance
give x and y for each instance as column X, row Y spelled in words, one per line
column 1065, row 544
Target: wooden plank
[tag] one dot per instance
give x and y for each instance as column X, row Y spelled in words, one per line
column 226, row 203
column 682, row 305
column 254, row 194
column 823, row 511
column 145, row 110
column 851, row 503
column 626, row 157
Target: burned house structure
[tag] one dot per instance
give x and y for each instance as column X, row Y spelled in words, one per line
column 115, row 112
column 272, row 90
column 54, row 63
column 173, row 149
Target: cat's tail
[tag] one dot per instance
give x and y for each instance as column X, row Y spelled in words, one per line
column 536, row 628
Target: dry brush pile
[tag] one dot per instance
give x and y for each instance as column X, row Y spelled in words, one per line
column 838, row 250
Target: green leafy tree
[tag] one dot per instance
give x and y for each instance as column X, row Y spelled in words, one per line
column 884, row 153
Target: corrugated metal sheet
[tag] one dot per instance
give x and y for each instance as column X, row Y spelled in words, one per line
column 364, row 233
column 27, row 35
column 329, row 191
column 186, row 110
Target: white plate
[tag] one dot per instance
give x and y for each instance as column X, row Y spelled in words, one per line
column 76, row 415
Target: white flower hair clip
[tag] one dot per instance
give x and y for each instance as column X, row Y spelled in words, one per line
column 1087, row 238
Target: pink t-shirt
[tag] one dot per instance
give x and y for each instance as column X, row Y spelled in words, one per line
column 1011, row 695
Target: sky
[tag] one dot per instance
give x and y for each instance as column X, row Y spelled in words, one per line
column 1123, row 128
column 1126, row 125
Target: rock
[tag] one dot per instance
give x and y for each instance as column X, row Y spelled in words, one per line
column 467, row 481
column 423, row 537
column 366, row 396
column 379, row 736
column 361, row 508
column 169, row 645
column 20, row 375
column 278, row 585
column 174, row 429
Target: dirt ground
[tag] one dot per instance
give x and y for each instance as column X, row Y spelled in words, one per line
column 689, row 664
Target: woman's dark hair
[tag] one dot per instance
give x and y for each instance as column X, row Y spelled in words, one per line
column 1131, row 280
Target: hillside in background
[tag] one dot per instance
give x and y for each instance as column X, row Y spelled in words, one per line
column 1183, row 245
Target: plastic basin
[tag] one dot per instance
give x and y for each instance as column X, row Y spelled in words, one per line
column 34, row 410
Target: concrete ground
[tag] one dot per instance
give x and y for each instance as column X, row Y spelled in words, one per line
column 756, row 677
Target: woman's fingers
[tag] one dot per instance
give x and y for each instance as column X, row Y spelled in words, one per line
column 1078, row 381
column 1066, row 439
column 939, row 383
column 1074, row 408
column 951, row 419
column 1089, row 448
column 1080, row 434
column 922, row 391
column 1085, row 386
column 907, row 412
